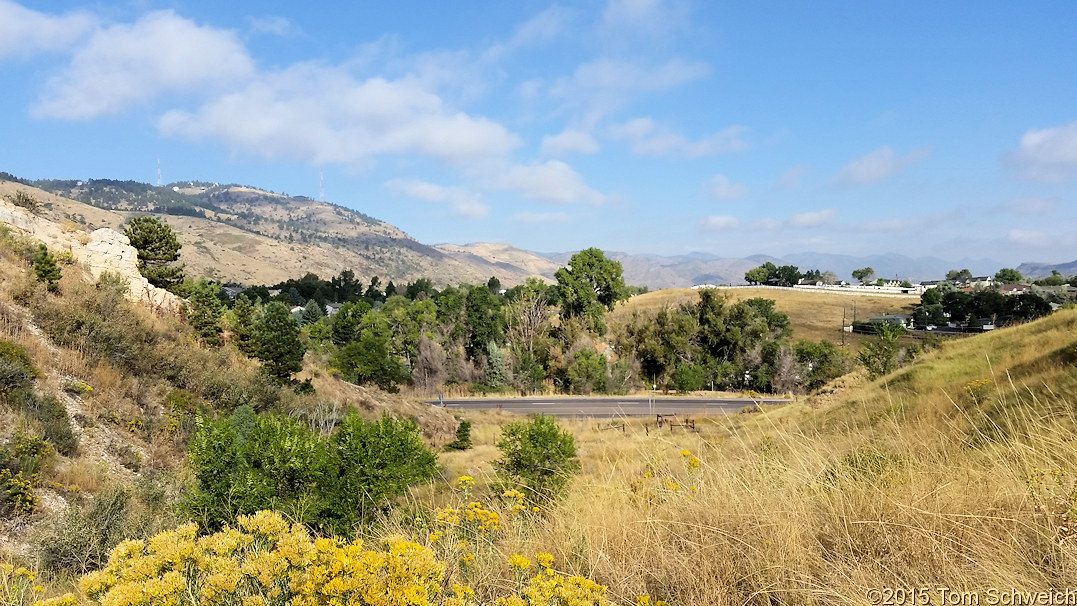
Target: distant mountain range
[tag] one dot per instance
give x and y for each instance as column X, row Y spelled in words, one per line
column 1041, row 270
column 248, row 235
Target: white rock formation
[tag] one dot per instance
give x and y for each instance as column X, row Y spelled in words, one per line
column 103, row 250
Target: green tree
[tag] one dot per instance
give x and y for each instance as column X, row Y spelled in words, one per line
column 931, row 296
column 45, row 268
column 539, row 456
column 242, row 327
column 1055, row 279
column 204, row 312
column 158, row 248
column 880, row 355
column 959, row 275
column 587, row 372
column 368, row 360
column 590, row 284
column 1028, row 306
column 463, row 436
column 312, row 312
column 483, row 321
column 496, row 371
column 1008, row 275
column 863, row 274
column 760, row 275
column 494, row 285
column 789, row 275
column 278, row 344
column 820, row 362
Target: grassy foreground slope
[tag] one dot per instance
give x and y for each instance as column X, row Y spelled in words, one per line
column 954, row 472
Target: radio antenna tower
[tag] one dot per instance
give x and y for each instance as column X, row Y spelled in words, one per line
column 158, row 171
column 321, row 185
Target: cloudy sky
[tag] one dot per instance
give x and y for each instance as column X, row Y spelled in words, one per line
column 734, row 128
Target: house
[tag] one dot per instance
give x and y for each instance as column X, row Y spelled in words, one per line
column 332, row 308
column 232, row 291
column 1014, row 289
column 297, row 313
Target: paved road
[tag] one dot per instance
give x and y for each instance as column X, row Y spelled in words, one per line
column 608, row 407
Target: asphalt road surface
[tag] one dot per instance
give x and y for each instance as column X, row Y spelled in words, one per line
column 608, row 407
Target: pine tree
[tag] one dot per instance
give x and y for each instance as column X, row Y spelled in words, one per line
column 158, row 247
column 45, row 268
column 205, row 312
column 243, row 327
column 278, row 344
column 312, row 312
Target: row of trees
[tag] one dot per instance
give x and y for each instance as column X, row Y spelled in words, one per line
column 946, row 303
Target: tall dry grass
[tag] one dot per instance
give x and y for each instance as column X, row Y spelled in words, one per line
column 929, row 477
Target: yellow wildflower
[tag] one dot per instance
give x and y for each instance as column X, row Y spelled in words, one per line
column 519, row 562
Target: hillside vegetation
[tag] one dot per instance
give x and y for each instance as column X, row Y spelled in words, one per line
column 152, row 458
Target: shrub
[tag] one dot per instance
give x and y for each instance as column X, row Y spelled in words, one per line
column 267, row 561
column 248, row 462
column 16, row 369
column 45, row 268
column 24, row 199
column 463, row 436
column 22, row 460
column 52, row 416
column 539, row 456
column 78, row 539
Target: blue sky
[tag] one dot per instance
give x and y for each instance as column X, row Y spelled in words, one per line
column 921, row 128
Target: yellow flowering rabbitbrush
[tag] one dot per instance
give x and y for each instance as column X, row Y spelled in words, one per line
column 268, row 562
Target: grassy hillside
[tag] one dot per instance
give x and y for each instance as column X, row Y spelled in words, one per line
column 246, row 235
column 954, row 472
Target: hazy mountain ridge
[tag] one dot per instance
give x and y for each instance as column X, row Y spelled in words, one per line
column 1042, row 270
column 242, row 234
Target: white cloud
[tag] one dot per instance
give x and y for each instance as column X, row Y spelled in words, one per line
column 1030, row 206
column 529, row 217
column 273, row 25
column 648, row 138
column 717, row 223
column 24, row 32
column 553, row 181
column 812, row 219
column 625, row 20
column 877, row 165
column 569, row 141
column 463, row 202
column 1027, row 237
column 791, row 178
column 722, row 188
column 766, row 224
column 122, row 65
column 1048, row 154
column 324, row 115
column 539, row 29
column 606, row 84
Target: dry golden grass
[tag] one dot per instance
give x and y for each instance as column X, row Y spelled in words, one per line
column 813, row 315
column 908, row 481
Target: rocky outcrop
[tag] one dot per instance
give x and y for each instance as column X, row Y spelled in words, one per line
column 103, row 250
